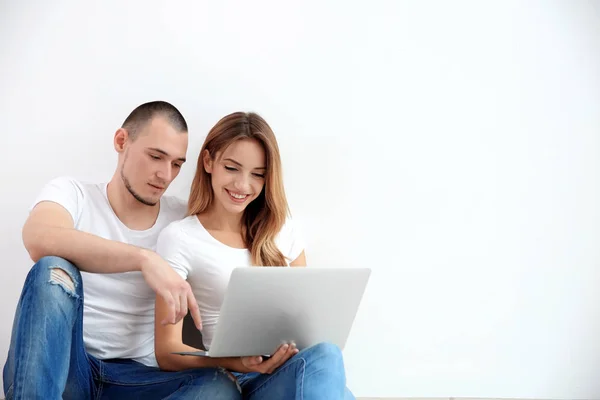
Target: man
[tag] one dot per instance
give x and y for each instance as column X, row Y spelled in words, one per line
column 95, row 242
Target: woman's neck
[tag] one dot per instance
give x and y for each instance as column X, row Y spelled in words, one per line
column 216, row 218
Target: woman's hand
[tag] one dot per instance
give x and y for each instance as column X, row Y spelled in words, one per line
column 257, row 364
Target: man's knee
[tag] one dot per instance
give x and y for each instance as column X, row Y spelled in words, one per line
column 59, row 276
column 53, row 270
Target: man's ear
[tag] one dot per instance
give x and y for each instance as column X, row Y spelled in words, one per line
column 207, row 161
column 121, row 138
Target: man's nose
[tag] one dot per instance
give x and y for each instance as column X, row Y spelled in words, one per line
column 165, row 173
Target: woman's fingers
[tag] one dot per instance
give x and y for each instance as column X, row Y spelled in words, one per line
column 286, row 352
column 281, row 355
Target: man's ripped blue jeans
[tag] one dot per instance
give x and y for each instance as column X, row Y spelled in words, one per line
column 47, row 357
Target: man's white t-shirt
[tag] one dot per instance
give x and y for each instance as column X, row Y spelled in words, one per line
column 118, row 313
column 207, row 263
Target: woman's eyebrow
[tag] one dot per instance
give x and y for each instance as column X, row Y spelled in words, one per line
column 239, row 164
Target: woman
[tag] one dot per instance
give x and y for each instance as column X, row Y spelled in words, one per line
column 237, row 215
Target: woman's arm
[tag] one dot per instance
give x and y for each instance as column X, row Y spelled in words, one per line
column 174, row 248
column 300, row 261
column 168, row 340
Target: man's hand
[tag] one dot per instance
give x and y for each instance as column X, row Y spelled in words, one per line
column 283, row 353
column 175, row 291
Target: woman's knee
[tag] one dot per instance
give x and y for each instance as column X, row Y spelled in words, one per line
column 325, row 350
column 50, row 271
column 324, row 356
column 223, row 386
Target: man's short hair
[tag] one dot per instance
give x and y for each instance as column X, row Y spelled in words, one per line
column 145, row 112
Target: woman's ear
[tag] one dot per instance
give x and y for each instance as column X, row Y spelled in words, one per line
column 207, row 161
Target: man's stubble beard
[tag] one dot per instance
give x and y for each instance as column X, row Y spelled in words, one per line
column 131, row 190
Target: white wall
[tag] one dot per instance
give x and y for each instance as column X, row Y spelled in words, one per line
column 453, row 147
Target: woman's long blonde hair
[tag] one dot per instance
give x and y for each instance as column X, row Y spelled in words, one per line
column 265, row 216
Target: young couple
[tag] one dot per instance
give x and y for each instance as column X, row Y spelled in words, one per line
column 118, row 265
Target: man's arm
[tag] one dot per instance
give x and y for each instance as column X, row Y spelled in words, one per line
column 49, row 231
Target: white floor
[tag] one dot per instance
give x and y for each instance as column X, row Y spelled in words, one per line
column 433, row 398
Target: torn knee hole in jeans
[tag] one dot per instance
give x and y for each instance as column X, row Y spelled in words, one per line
column 60, row 277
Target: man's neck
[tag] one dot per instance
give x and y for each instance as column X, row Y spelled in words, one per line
column 131, row 212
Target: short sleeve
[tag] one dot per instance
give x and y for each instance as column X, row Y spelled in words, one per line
column 171, row 246
column 290, row 240
column 64, row 191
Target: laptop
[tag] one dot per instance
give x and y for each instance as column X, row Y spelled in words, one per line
column 264, row 307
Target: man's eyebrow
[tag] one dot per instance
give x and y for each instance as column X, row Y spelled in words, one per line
column 240, row 165
column 164, row 153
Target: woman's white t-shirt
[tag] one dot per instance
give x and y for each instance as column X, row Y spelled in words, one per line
column 206, row 263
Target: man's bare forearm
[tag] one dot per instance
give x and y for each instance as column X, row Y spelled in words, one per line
column 88, row 252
